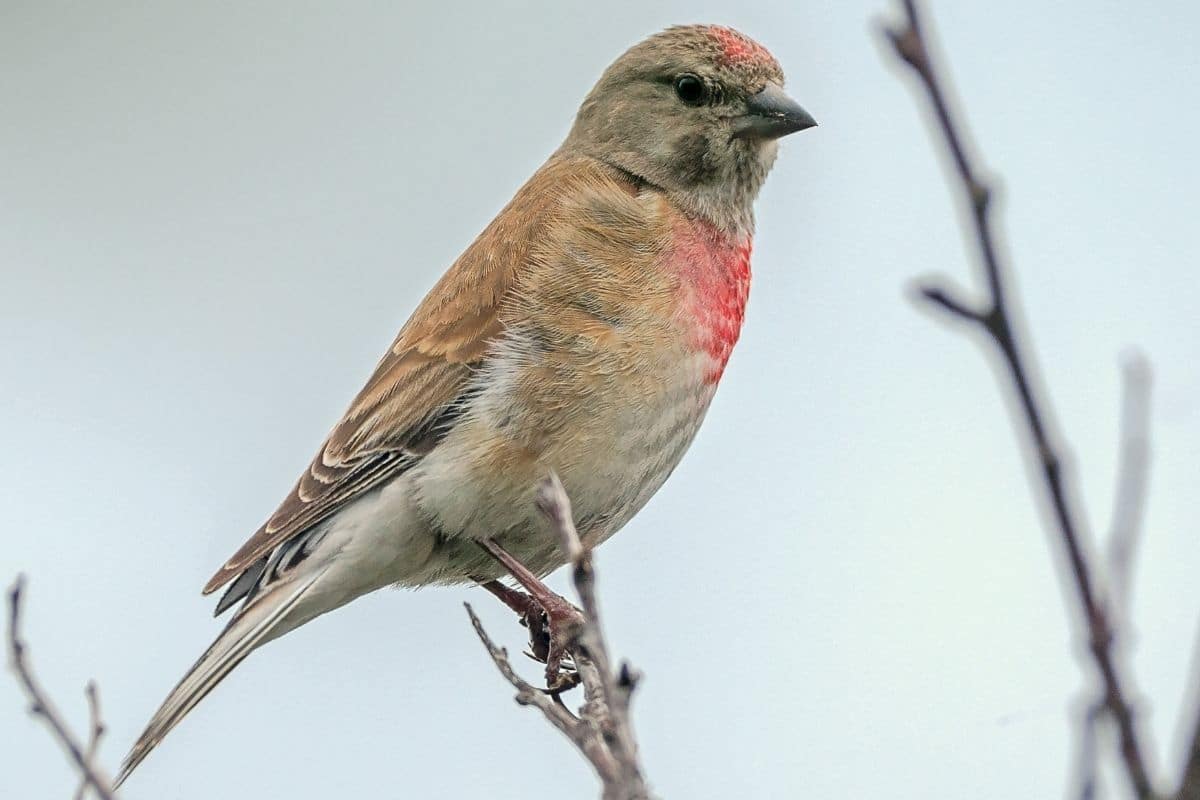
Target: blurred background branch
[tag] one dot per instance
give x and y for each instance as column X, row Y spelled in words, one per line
column 1094, row 585
column 83, row 757
column 1133, row 473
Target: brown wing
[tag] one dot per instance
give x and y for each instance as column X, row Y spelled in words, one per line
column 427, row 368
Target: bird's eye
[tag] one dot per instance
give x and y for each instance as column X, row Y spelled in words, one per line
column 690, row 89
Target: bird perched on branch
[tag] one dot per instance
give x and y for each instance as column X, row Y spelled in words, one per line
column 583, row 332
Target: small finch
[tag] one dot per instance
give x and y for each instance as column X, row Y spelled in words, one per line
column 582, row 333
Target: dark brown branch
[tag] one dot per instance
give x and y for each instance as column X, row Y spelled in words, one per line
column 911, row 45
column 940, row 296
column 40, row 705
column 602, row 731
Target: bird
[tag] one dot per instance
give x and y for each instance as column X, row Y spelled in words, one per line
column 583, row 333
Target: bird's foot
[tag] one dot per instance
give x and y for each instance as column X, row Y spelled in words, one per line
column 554, row 625
column 531, row 615
column 563, row 624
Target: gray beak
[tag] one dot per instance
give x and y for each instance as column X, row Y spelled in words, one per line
column 771, row 114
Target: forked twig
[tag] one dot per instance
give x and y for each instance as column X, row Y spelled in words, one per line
column 40, row 705
column 994, row 316
column 96, row 731
column 602, row 730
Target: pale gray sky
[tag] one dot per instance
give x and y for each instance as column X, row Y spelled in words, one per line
column 213, row 218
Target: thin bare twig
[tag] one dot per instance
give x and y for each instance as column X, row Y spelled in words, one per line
column 1189, row 782
column 96, row 731
column 995, row 318
column 602, row 731
column 557, row 714
column 40, row 705
column 1088, row 755
column 1133, row 471
column 1133, row 465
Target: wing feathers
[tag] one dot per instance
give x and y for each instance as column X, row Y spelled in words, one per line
column 428, row 367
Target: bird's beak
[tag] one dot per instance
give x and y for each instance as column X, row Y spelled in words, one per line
column 771, row 114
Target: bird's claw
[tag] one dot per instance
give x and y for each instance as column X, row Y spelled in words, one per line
column 554, row 625
column 551, row 637
column 562, row 623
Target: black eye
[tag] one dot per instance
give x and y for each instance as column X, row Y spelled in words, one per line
column 690, row 89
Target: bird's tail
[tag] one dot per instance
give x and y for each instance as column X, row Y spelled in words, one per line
column 264, row 619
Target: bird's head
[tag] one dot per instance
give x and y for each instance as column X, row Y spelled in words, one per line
column 695, row 110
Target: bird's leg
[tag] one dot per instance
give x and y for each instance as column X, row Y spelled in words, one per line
column 518, row 601
column 563, row 620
